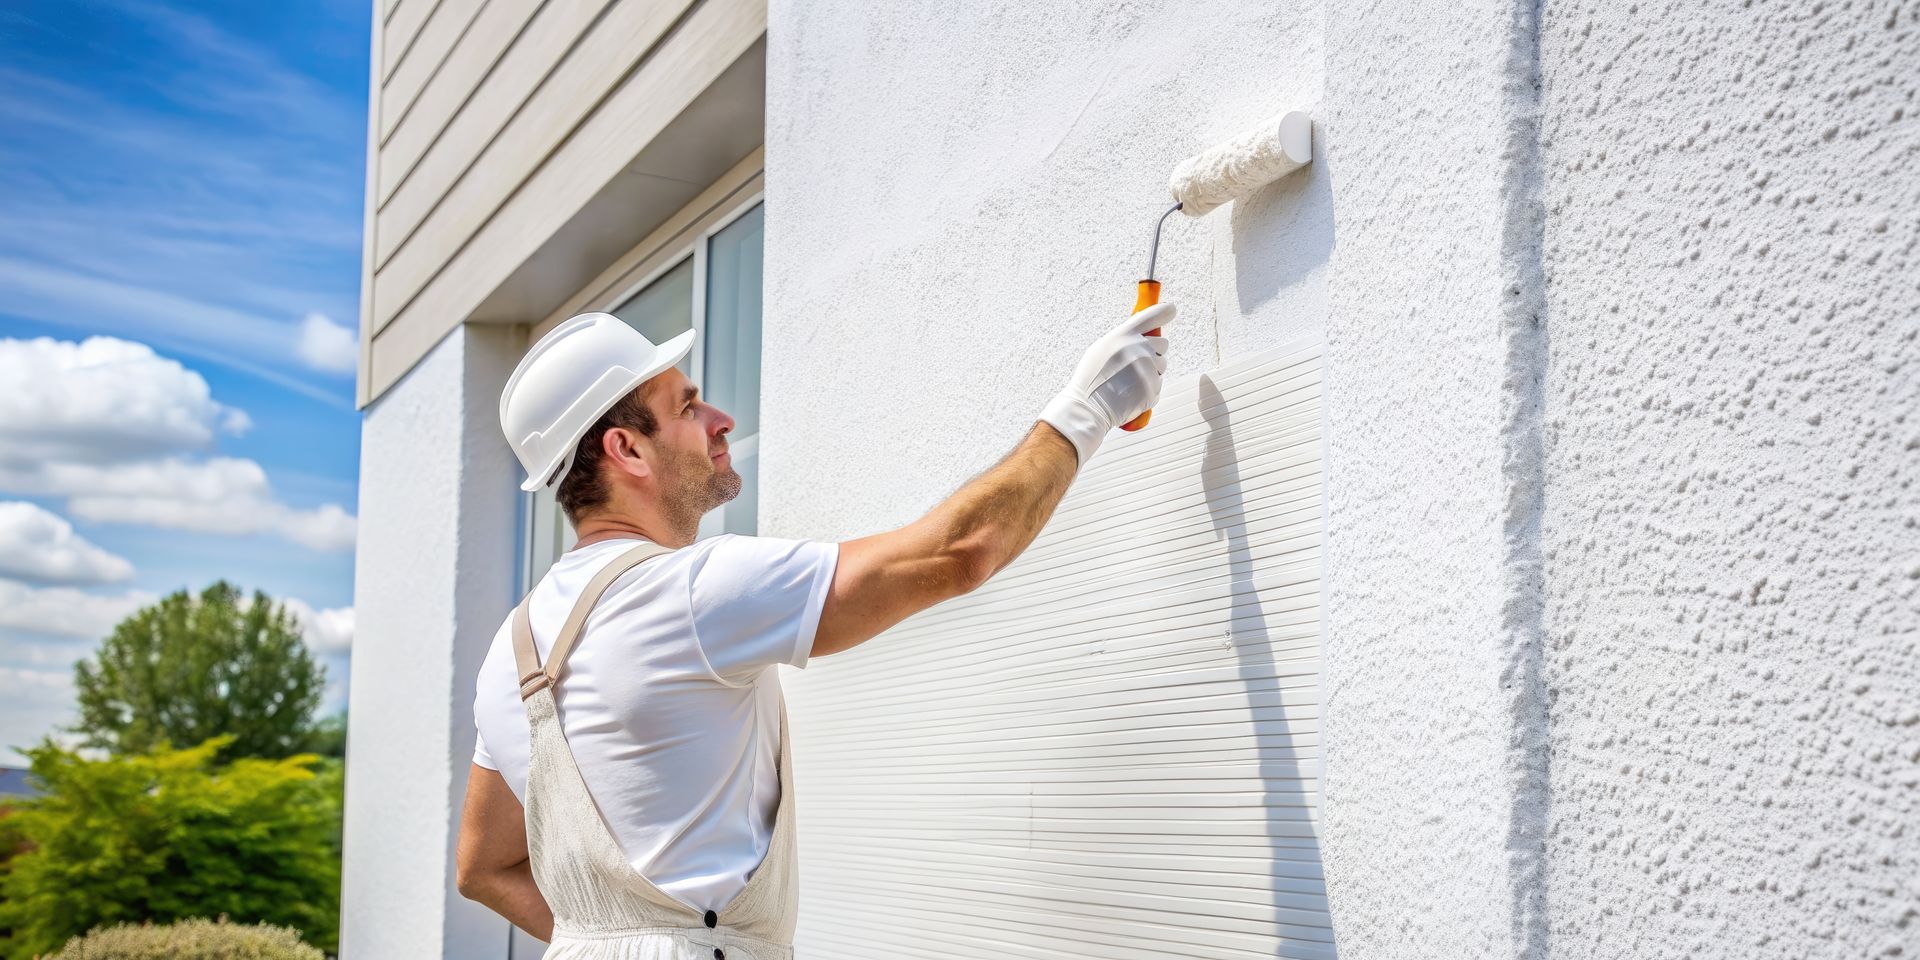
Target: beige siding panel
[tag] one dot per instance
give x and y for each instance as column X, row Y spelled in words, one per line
column 387, row 9
column 430, row 50
column 483, row 84
column 401, row 31
column 709, row 42
column 408, row 255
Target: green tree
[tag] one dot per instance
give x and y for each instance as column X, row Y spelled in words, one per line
column 166, row 836
column 329, row 736
column 190, row 668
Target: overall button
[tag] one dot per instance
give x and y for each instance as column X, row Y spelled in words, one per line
column 719, row 954
column 713, row 919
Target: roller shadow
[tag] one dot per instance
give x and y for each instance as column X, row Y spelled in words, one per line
column 1297, row 876
column 1283, row 231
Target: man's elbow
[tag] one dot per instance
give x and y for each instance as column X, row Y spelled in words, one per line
column 475, row 880
column 971, row 567
column 469, row 881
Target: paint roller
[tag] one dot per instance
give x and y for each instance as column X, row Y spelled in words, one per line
column 1230, row 170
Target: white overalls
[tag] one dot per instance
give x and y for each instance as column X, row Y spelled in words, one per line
column 603, row 909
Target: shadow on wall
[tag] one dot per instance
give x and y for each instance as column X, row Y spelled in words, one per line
column 1297, row 888
column 1283, row 232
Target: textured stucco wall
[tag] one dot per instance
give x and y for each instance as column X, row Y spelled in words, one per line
column 434, row 574
column 1620, row 376
column 1433, row 811
column 1732, row 529
column 959, row 199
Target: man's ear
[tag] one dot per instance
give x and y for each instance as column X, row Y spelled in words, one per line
column 621, row 447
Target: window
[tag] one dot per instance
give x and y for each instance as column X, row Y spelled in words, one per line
column 714, row 286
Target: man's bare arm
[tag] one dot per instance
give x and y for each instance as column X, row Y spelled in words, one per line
column 491, row 858
column 973, row 534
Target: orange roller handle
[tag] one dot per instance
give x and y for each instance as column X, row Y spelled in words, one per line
column 1148, row 296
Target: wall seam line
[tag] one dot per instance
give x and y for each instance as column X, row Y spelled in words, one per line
column 1523, row 473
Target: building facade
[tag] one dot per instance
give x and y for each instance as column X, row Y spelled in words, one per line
column 1521, row 562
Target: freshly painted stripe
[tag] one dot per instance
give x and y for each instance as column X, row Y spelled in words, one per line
column 1112, row 749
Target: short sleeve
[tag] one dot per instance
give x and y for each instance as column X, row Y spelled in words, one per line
column 756, row 601
column 482, row 756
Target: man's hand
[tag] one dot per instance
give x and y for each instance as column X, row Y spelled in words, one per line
column 1118, row 379
column 881, row 580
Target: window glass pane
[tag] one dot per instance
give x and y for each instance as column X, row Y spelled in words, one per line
column 548, row 535
column 663, row 310
column 731, row 368
column 733, row 321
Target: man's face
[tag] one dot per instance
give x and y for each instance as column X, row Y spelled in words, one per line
column 696, row 471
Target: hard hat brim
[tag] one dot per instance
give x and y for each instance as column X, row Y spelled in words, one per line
column 670, row 354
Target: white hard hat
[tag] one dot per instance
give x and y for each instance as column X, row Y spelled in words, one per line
column 575, row 374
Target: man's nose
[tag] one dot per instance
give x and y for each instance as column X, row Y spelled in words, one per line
column 721, row 422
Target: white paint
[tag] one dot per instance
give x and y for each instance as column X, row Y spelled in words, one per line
column 960, row 199
column 1732, row 524
column 434, row 577
column 1554, row 668
column 1113, row 748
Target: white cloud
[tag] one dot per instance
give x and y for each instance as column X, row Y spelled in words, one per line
column 328, row 346
column 104, row 423
column 65, row 297
column 41, row 546
column 326, row 527
column 327, row 631
column 65, row 611
column 101, row 400
column 220, row 495
column 37, row 704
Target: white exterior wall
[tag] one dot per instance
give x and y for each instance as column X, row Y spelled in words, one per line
column 1433, row 797
column 1732, row 528
column 959, row 200
column 1620, row 342
column 1620, row 353
column 434, row 573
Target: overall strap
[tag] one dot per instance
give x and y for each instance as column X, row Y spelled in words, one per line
column 533, row 676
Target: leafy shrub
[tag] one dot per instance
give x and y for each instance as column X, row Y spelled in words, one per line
column 170, row 836
column 190, row 940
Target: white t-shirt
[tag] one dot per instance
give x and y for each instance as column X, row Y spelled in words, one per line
column 671, row 699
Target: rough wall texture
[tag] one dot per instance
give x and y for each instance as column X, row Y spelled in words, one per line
column 1620, row 312
column 1433, row 807
column 434, row 572
column 1732, row 526
column 959, row 199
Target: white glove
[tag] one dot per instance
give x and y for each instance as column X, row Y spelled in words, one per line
column 1117, row 380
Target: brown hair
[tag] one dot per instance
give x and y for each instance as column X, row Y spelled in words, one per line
column 584, row 488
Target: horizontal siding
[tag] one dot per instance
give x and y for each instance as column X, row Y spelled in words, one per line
column 437, row 39
column 1113, row 749
column 402, row 28
column 494, row 224
column 440, row 208
column 503, row 58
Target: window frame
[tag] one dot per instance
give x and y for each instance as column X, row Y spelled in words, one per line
column 670, row 256
column 692, row 241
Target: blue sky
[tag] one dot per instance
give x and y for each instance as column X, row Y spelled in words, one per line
column 184, row 179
